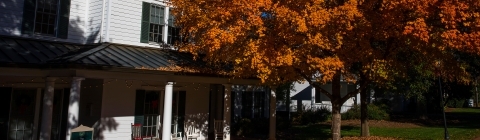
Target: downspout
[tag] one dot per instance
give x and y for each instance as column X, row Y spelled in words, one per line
column 102, row 21
column 107, row 34
column 86, row 29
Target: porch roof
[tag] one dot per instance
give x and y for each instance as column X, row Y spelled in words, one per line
column 33, row 57
column 27, row 52
column 18, row 51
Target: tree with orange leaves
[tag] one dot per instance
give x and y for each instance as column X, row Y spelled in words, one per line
column 360, row 41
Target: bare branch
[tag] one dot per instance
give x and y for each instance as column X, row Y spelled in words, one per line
column 316, row 85
column 363, row 85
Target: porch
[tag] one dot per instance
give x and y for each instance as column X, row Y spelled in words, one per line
column 111, row 87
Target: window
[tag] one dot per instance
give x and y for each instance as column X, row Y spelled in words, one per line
column 147, row 111
column 318, row 94
column 156, row 23
column 173, row 31
column 253, row 104
column 153, row 23
column 173, row 35
column 46, row 17
column 154, row 29
column 151, row 113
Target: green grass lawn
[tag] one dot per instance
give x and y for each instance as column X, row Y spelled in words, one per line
column 322, row 131
column 466, row 110
column 467, row 127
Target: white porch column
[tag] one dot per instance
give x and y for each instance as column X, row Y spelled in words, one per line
column 273, row 114
column 47, row 109
column 73, row 108
column 167, row 111
column 312, row 103
column 227, row 99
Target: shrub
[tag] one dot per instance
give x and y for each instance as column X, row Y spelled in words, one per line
column 375, row 112
column 352, row 113
column 455, row 103
column 243, row 127
column 308, row 115
column 249, row 127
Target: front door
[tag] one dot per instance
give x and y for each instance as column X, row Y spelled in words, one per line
column 22, row 114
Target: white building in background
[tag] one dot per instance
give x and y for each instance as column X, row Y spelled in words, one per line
column 307, row 96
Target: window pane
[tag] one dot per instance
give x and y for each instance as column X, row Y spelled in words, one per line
column 44, row 28
column 152, row 10
column 51, row 20
column 50, row 29
column 150, row 37
column 40, row 4
column 38, row 28
column 155, row 32
column 38, row 18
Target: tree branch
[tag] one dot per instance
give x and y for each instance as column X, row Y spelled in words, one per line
column 309, row 80
column 363, row 85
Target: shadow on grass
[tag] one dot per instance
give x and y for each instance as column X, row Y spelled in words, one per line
column 318, row 131
column 461, row 124
column 463, row 118
column 456, row 118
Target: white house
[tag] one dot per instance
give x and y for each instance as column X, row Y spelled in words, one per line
column 97, row 63
column 306, row 96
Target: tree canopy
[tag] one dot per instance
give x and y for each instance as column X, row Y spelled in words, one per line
column 359, row 41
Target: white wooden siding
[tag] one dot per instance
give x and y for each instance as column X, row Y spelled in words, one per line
column 76, row 29
column 306, row 95
column 11, row 17
column 125, row 21
column 118, row 108
column 94, row 21
column 11, row 14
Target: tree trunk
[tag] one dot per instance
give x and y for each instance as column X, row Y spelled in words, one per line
column 476, row 92
column 336, row 120
column 365, row 131
column 336, row 106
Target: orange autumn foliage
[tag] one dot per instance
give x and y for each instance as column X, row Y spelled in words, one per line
column 281, row 40
column 292, row 40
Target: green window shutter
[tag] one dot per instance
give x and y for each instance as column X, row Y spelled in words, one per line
column 63, row 19
column 28, row 20
column 139, row 106
column 145, row 22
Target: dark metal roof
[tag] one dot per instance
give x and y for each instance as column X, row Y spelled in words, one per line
column 14, row 50
column 115, row 55
column 27, row 52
